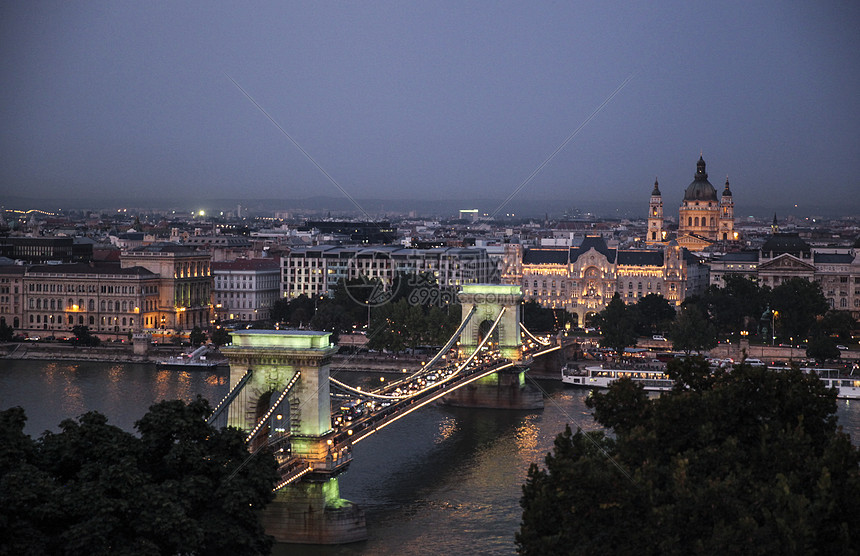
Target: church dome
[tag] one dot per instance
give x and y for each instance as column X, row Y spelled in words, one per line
column 700, row 189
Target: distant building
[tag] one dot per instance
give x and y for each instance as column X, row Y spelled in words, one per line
column 245, row 289
column 584, row 279
column 222, row 247
column 315, row 271
column 185, row 285
column 109, row 300
column 786, row 255
column 35, row 250
column 703, row 218
column 367, row 233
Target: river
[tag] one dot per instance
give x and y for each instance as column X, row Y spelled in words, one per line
column 441, row 481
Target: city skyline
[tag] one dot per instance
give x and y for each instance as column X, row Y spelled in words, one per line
column 568, row 106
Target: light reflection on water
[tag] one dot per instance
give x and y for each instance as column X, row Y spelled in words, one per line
column 443, row 480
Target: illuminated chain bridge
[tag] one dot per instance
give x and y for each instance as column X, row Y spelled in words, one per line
column 281, row 394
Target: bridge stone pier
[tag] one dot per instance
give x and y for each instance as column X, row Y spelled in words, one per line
column 309, row 510
column 505, row 389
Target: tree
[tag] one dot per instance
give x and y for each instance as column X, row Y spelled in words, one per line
column 737, row 305
column 84, row 337
column 180, row 487
column 537, row 318
column 330, row 317
column 618, row 325
column 748, row 461
column 691, row 331
column 797, row 303
column 822, row 347
column 6, row 332
column 197, row 336
column 654, row 314
column 837, row 323
column 220, row 337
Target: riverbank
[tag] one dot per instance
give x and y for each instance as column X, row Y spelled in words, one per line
column 124, row 353
column 116, row 353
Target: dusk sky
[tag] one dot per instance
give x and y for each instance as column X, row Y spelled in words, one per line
column 433, row 100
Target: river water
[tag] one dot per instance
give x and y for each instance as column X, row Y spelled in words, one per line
column 440, row 481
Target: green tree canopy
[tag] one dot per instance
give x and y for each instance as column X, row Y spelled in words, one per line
column 181, row 487
column 837, row 323
column 737, row 305
column 653, row 314
column 691, row 331
column 537, row 318
column 6, row 332
column 220, row 336
column 197, row 336
column 822, row 347
column 798, row 303
column 617, row 325
column 742, row 462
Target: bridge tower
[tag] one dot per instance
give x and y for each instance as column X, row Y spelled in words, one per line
column 506, row 389
column 489, row 299
column 293, row 366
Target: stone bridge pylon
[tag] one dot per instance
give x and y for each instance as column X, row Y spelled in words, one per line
column 505, row 389
column 286, row 404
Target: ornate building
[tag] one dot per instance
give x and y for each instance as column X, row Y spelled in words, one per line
column 656, row 229
column 702, row 219
column 785, row 255
column 184, row 286
column 50, row 300
column 584, row 279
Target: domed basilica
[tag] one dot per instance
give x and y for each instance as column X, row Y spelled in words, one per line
column 703, row 219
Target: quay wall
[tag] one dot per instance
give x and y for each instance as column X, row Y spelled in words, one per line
column 119, row 353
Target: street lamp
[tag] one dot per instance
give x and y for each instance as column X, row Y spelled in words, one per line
column 773, row 316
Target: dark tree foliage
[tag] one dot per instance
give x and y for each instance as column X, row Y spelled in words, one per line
column 654, row 314
column 197, row 336
column 403, row 325
column 220, row 336
column 737, row 305
column 617, row 325
column 537, row 318
column 691, row 331
column 799, row 303
column 296, row 312
column 822, row 347
column 748, row 461
column 6, row 332
column 181, row 487
column 836, row 323
column 84, row 337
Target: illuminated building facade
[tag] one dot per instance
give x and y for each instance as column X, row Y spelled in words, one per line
column 703, row 218
column 584, row 279
column 245, row 289
column 315, row 271
column 185, row 285
column 109, row 300
column 785, row 255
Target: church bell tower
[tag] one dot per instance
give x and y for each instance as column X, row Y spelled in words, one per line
column 656, row 233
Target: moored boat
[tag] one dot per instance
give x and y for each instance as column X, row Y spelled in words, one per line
column 847, row 386
column 199, row 359
column 601, row 376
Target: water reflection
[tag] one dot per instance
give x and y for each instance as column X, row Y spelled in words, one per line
column 442, row 480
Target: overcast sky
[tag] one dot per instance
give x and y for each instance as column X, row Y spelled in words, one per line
column 432, row 100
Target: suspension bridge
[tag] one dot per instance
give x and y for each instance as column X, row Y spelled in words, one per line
column 282, row 389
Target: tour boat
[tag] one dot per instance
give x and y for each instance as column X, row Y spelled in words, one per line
column 594, row 376
column 847, row 386
column 601, row 377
